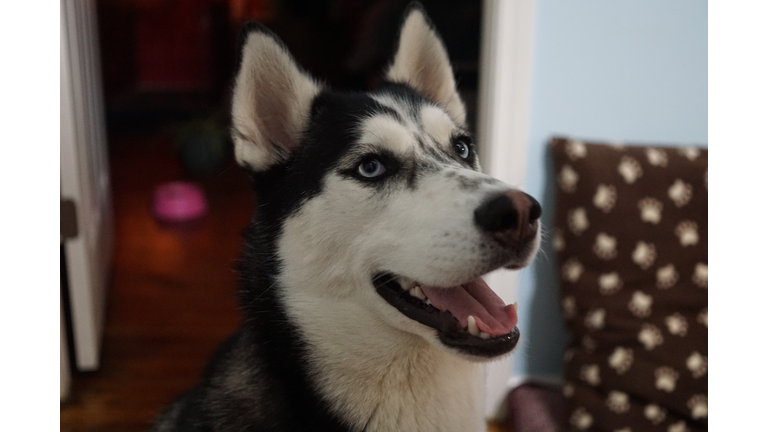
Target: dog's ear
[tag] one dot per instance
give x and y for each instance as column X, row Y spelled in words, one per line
column 271, row 101
column 421, row 61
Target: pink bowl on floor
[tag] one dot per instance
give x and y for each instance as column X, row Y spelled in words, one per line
column 179, row 202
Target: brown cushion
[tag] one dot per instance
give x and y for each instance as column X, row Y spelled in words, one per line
column 535, row 408
column 631, row 240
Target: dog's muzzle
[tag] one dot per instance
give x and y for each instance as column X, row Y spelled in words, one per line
column 469, row 316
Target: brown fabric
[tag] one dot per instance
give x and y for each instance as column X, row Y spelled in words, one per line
column 536, row 408
column 631, row 241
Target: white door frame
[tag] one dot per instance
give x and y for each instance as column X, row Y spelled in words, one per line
column 506, row 63
column 85, row 177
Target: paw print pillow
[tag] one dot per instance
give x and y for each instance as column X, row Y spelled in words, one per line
column 631, row 241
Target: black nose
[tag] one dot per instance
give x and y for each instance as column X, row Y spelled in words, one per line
column 510, row 217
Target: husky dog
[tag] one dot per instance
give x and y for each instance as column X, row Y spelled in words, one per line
column 363, row 305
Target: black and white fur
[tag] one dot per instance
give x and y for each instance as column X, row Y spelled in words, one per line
column 320, row 349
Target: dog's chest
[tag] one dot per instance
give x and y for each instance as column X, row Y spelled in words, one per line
column 427, row 392
column 448, row 407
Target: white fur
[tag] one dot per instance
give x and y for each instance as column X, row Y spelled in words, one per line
column 372, row 362
column 387, row 133
column 271, row 102
column 438, row 125
column 422, row 62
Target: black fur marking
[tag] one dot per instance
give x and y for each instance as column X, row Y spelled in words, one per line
column 415, row 101
column 387, row 158
column 407, row 96
column 435, row 151
column 383, row 109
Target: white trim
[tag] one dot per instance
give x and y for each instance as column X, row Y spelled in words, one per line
column 84, row 177
column 506, row 62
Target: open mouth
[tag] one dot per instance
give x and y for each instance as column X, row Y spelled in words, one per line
column 468, row 317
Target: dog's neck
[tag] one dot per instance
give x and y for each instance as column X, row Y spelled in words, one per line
column 379, row 378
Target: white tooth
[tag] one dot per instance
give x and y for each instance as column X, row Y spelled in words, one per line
column 427, row 301
column 514, row 305
column 418, row 293
column 484, row 335
column 472, row 326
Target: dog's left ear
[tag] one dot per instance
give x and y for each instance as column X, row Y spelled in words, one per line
column 421, row 61
column 271, row 101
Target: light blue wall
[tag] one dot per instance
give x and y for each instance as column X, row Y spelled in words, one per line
column 629, row 71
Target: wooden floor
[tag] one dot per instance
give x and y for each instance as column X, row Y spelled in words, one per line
column 172, row 298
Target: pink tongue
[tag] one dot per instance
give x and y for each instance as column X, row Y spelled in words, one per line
column 475, row 298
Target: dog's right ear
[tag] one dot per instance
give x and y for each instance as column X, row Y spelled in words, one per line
column 271, row 101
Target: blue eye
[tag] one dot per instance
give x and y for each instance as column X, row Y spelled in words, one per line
column 371, row 168
column 462, row 148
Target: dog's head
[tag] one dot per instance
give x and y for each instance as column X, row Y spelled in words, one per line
column 377, row 199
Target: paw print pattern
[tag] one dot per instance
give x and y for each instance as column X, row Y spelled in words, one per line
column 666, row 277
column 568, row 179
column 572, row 270
column 617, row 402
column 666, row 378
column 644, row 254
column 575, row 150
column 698, row 406
column 697, row 364
column 558, row 241
column 590, row 374
column 605, row 197
column 568, row 390
column 650, row 336
column 640, row 304
column 621, row 359
column 581, row 419
column 630, row 169
column 688, row 232
column 650, row 210
column 609, row 283
column 605, row 246
column 680, row 193
column 700, row 275
column 569, row 307
column 676, row 324
column 691, row 153
column 577, row 220
column 654, row 413
column 595, row 319
column 678, row 427
column 702, row 317
column 656, row 157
